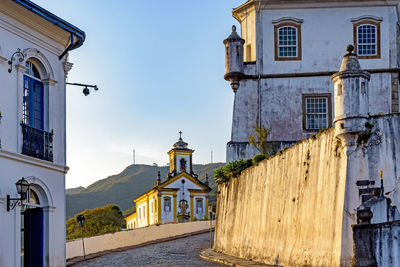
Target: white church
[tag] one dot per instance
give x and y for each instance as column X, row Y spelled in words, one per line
column 280, row 66
column 34, row 47
column 181, row 197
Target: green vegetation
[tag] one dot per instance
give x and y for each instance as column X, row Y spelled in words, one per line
column 99, row 221
column 235, row 168
column 364, row 136
column 121, row 189
column 259, row 139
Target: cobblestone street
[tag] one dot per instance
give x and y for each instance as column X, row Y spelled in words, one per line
column 180, row 252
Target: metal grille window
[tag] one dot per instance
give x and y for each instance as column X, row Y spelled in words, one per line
column 366, row 40
column 316, row 113
column 287, row 41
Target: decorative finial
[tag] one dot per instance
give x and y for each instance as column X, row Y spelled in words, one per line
column 180, row 135
column 158, row 178
column 350, row 48
column 233, row 28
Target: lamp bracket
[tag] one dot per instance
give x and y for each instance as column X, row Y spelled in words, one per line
column 17, row 54
column 13, row 202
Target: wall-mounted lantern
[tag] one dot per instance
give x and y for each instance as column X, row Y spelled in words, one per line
column 17, row 54
column 85, row 90
column 22, row 188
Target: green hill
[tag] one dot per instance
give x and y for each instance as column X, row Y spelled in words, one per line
column 122, row 188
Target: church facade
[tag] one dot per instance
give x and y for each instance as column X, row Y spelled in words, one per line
column 280, row 65
column 34, row 46
column 182, row 197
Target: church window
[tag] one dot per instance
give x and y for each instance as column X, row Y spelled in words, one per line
column 287, row 41
column 199, row 205
column 367, row 37
column 167, row 204
column 182, row 165
column 316, row 112
column 140, row 210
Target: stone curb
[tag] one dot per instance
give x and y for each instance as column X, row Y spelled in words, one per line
column 211, row 255
column 75, row 260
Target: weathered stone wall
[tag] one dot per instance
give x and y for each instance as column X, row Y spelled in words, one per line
column 287, row 210
column 297, row 208
column 377, row 244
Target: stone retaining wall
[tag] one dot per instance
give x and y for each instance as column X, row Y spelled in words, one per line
column 133, row 237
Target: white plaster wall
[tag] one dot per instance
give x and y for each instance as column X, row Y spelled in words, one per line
column 51, row 180
column 186, row 193
column 13, row 166
column 325, row 33
column 20, row 36
column 133, row 237
column 279, row 100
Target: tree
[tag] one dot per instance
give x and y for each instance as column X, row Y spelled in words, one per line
column 259, row 139
column 98, row 221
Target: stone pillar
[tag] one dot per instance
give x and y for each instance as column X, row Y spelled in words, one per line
column 351, row 94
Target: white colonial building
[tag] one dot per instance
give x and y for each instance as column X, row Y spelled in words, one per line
column 280, row 67
column 34, row 45
column 182, row 197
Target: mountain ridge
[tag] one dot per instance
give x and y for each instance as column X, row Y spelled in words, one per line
column 122, row 188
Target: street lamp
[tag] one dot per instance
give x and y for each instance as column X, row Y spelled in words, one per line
column 81, row 220
column 85, row 90
column 22, row 188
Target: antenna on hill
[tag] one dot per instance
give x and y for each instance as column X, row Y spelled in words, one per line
column 211, row 156
column 134, row 157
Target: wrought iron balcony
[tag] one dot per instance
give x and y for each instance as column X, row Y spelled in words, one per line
column 37, row 143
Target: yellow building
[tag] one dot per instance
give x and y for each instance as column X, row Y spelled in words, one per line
column 181, row 197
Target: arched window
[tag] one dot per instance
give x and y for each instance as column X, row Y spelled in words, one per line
column 367, row 36
column 182, row 163
column 287, row 33
column 37, row 141
column 367, row 40
column 287, row 41
column 33, row 100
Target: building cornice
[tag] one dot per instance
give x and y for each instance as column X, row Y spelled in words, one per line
column 33, row 161
column 292, row 4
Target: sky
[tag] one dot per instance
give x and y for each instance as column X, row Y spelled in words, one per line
column 159, row 66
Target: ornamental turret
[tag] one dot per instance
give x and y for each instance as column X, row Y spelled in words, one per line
column 234, row 67
column 351, row 95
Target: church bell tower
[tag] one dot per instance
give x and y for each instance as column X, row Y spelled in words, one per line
column 180, row 158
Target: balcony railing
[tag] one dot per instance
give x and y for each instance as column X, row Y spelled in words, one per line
column 37, row 143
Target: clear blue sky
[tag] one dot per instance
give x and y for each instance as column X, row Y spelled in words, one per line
column 159, row 66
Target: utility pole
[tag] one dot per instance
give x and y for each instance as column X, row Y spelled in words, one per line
column 211, row 156
column 134, row 157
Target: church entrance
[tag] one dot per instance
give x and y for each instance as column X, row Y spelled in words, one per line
column 32, row 233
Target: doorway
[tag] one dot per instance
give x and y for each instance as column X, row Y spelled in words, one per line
column 32, row 232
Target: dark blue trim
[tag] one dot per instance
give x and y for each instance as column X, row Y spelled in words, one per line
column 75, row 31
